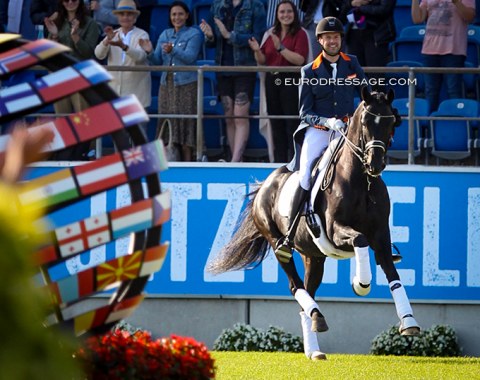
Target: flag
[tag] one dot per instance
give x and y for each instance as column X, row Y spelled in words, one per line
column 74, row 287
column 124, row 309
column 59, row 84
column 93, row 72
column 101, row 174
column 161, row 208
column 153, row 259
column 62, row 135
column 121, row 269
column 87, row 321
column 79, row 236
column 45, row 255
column 18, row 98
column 95, row 121
column 145, row 159
column 44, row 49
column 15, row 59
column 130, row 110
column 49, row 190
column 136, row 217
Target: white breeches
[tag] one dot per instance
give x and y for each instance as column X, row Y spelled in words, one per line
column 314, row 144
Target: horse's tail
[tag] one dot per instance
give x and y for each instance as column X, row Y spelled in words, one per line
column 246, row 249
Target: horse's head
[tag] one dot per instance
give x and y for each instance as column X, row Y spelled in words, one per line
column 378, row 120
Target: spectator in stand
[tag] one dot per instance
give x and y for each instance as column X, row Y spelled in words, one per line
column 370, row 29
column 75, row 29
column 445, row 42
column 41, row 9
column 179, row 45
column 272, row 8
column 314, row 11
column 232, row 23
column 103, row 13
column 285, row 44
column 122, row 47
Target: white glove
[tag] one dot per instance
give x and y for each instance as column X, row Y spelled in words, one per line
column 334, row 124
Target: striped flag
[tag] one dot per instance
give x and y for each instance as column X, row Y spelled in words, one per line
column 79, row 236
column 136, row 217
column 123, row 309
column 87, row 321
column 73, row 287
column 93, row 72
column 145, row 159
column 45, row 255
column 15, row 59
column 102, row 174
column 130, row 110
column 44, row 49
column 60, row 84
column 161, row 208
column 122, row 269
column 17, row 98
column 153, row 259
column 49, row 190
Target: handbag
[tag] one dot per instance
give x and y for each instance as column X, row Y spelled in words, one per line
column 165, row 134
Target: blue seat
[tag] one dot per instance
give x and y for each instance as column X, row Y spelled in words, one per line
column 201, row 11
column 159, row 18
column 452, row 139
column 473, row 44
column 215, row 140
column 408, row 45
column 399, row 147
column 401, row 90
column 209, row 78
column 257, row 148
column 402, row 14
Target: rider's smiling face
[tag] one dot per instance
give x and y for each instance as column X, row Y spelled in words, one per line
column 331, row 43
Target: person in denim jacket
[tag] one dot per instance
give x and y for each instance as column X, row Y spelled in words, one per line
column 232, row 23
column 179, row 45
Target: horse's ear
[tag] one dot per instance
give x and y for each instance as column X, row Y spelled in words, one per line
column 366, row 94
column 390, row 96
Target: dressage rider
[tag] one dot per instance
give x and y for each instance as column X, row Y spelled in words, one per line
column 328, row 87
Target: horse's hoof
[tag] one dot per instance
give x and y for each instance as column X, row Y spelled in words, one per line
column 396, row 258
column 319, row 324
column 360, row 289
column 410, row 331
column 317, row 355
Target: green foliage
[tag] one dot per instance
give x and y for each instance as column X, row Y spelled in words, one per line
column 28, row 350
column 244, row 337
column 439, row 340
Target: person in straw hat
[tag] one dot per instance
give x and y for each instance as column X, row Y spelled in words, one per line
column 122, row 48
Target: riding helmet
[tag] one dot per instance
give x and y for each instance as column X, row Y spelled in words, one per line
column 329, row 25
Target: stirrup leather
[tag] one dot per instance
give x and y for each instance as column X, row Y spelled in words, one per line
column 312, row 223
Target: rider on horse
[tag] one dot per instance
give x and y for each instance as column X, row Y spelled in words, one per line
column 328, row 87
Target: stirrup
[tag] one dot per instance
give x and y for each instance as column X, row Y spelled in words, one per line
column 284, row 251
column 312, row 223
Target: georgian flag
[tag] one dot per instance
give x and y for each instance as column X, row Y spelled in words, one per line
column 80, row 236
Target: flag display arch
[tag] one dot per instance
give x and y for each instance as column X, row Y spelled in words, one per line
column 134, row 162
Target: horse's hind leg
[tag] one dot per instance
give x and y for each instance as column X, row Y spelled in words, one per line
column 314, row 267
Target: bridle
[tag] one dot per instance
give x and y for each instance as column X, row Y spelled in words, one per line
column 361, row 151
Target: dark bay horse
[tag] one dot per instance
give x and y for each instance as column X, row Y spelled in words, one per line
column 353, row 210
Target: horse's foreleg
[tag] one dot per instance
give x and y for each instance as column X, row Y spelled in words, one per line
column 408, row 324
column 310, row 342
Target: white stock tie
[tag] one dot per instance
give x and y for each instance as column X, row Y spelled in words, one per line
column 334, row 71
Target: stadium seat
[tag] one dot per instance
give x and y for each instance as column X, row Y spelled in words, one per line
column 201, row 11
column 452, row 139
column 408, row 45
column 473, row 45
column 402, row 14
column 159, row 20
column 257, row 148
column 401, row 91
column 399, row 147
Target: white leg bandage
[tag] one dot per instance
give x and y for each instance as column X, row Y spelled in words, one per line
column 310, row 342
column 402, row 304
column 306, row 302
column 362, row 260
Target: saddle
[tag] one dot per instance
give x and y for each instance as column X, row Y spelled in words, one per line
column 322, row 175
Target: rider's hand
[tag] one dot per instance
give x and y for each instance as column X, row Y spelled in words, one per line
column 334, row 124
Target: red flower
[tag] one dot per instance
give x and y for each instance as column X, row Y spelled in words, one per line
column 119, row 355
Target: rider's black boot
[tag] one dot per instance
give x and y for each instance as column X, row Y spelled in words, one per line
column 284, row 245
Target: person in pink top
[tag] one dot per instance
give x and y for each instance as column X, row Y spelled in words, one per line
column 285, row 44
column 445, row 42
